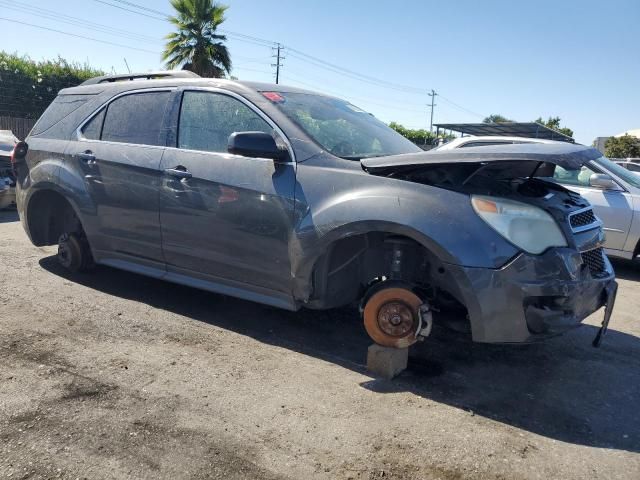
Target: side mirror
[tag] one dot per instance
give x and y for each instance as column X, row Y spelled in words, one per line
column 603, row 181
column 256, row 145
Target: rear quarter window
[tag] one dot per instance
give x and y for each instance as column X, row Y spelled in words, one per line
column 60, row 108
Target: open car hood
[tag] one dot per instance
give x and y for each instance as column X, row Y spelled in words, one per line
column 518, row 159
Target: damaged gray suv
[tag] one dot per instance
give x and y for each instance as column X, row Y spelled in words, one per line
column 295, row 199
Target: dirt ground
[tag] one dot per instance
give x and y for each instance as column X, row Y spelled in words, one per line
column 113, row 375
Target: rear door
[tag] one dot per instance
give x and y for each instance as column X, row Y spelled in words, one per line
column 229, row 217
column 118, row 150
column 613, row 207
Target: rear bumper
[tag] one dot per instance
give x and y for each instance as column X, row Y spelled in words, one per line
column 533, row 297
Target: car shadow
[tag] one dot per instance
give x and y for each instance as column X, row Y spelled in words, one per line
column 562, row 389
column 626, row 269
column 8, row 215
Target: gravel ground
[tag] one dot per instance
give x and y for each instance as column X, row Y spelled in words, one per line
column 113, row 375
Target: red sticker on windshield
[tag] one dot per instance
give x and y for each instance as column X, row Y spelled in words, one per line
column 273, row 96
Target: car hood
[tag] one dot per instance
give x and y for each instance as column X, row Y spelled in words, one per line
column 521, row 157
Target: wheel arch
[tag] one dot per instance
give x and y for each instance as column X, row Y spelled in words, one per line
column 48, row 214
column 342, row 248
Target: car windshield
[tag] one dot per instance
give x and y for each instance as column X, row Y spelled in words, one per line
column 339, row 127
column 619, row 171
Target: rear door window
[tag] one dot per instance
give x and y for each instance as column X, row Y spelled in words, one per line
column 136, row 118
column 208, row 119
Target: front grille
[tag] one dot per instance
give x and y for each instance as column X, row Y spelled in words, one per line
column 582, row 219
column 594, row 260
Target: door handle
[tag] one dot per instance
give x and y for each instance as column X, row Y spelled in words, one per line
column 87, row 157
column 178, row 172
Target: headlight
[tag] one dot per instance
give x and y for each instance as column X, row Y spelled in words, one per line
column 528, row 227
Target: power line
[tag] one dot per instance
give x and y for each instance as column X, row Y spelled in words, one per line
column 133, row 7
column 77, row 36
column 460, row 107
column 75, row 21
column 395, row 107
column 345, row 71
column 164, row 18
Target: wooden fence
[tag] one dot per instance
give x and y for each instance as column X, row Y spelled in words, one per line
column 19, row 126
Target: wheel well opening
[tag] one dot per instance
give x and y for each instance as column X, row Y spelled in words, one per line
column 49, row 215
column 351, row 266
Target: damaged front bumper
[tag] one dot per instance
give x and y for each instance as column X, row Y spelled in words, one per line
column 536, row 296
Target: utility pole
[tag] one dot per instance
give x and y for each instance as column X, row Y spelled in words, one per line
column 433, row 96
column 278, row 58
column 127, row 64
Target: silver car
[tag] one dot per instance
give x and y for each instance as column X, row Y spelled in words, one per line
column 614, row 192
column 7, row 177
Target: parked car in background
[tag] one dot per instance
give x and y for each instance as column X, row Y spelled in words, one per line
column 296, row 199
column 471, row 141
column 614, row 193
column 7, row 177
column 611, row 188
column 631, row 166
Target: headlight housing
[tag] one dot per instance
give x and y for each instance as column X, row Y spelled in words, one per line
column 527, row 227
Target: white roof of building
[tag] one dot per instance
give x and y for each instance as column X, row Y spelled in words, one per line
column 634, row 133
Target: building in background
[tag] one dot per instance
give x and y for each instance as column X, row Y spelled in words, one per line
column 600, row 142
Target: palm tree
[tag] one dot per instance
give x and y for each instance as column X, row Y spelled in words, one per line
column 196, row 46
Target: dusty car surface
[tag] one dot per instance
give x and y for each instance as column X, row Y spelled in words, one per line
column 296, row 199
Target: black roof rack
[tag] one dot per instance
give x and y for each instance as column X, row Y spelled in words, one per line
column 141, row 76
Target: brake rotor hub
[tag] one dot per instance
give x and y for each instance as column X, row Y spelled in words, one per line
column 396, row 318
column 392, row 317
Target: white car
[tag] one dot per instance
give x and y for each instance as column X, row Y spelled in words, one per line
column 631, row 166
column 7, row 177
column 471, row 141
column 612, row 189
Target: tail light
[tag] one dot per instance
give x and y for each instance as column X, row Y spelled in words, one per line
column 19, row 152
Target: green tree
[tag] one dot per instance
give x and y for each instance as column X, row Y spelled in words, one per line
column 197, row 46
column 496, row 118
column 622, row 147
column 554, row 124
column 27, row 87
column 419, row 137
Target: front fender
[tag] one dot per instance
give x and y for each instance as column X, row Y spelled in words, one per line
column 442, row 221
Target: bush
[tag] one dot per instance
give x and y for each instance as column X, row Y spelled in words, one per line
column 28, row 87
column 419, row 137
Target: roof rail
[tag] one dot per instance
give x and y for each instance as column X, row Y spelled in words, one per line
column 141, row 76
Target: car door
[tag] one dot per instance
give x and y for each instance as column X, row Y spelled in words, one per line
column 225, row 218
column 118, row 151
column 613, row 207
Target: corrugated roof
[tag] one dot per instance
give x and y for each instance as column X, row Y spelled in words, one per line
column 507, row 129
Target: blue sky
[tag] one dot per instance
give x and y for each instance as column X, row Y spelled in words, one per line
column 573, row 59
